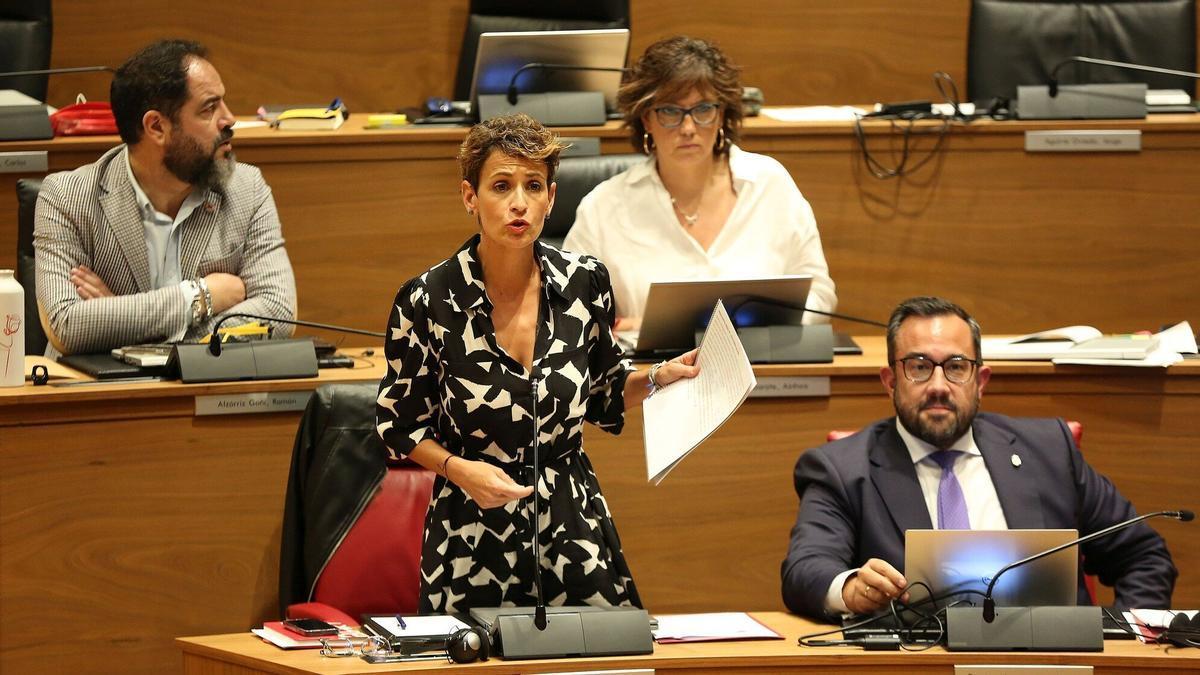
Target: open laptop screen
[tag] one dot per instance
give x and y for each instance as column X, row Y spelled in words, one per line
column 952, row 561
column 676, row 309
column 500, row 55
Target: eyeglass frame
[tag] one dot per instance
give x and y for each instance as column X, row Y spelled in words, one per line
column 687, row 112
column 957, row 358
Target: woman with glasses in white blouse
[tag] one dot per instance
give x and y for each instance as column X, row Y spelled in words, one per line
column 699, row 207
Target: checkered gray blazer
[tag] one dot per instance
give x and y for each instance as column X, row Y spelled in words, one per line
column 90, row 216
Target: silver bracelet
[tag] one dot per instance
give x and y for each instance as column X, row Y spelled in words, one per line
column 654, row 386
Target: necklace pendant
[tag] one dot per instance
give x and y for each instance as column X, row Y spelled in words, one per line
column 688, row 219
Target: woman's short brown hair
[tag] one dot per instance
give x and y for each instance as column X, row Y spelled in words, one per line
column 671, row 68
column 518, row 136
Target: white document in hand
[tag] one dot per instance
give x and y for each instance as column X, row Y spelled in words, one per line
column 680, row 416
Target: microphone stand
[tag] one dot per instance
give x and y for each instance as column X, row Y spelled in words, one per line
column 553, row 108
column 214, row 344
column 257, row 360
column 512, row 83
column 28, row 120
column 1124, row 100
column 1113, row 64
column 989, row 603
column 1044, row 628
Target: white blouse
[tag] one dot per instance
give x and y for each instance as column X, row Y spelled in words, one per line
column 629, row 224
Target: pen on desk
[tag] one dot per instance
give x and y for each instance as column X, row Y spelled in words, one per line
column 400, row 619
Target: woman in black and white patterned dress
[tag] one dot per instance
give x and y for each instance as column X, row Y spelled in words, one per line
column 502, row 350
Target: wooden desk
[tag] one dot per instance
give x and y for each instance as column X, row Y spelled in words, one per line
column 245, row 654
column 116, row 502
column 1011, row 235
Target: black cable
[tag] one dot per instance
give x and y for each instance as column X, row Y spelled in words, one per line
column 904, row 630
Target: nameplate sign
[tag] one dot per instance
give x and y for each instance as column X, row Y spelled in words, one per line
column 1124, row 140
column 790, row 386
column 32, row 161
column 256, row 402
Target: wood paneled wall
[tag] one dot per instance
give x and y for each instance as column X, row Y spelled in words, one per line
column 379, row 55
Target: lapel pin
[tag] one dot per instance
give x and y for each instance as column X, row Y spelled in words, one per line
column 1016, row 460
column 210, row 207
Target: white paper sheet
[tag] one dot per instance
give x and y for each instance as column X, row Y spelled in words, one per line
column 711, row 626
column 681, row 415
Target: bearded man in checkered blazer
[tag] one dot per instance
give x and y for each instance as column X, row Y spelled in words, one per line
column 164, row 234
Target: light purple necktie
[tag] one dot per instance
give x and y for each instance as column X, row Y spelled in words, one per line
column 951, row 505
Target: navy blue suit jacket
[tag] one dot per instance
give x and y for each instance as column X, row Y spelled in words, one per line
column 858, row 495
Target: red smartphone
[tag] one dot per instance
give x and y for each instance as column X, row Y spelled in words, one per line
column 310, row 627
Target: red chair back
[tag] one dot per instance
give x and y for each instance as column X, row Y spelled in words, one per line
column 377, row 567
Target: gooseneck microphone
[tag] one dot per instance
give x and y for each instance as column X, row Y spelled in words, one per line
column 1053, row 83
column 539, row 612
column 512, row 84
column 58, row 71
column 214, row 344
column 989, row 604
column 846, row 317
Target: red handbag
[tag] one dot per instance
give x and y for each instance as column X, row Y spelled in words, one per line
column 84, row 119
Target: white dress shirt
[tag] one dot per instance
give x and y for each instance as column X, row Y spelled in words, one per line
column 162, row 233
column 983, row 506
column 628, row 222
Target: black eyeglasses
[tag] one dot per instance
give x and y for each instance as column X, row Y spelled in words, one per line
column 957, row 369
column 703, row 114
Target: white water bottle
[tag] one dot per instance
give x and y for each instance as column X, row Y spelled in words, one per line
column 12, row 331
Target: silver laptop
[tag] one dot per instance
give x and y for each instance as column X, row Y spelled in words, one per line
column 952, row 561
column 675, row 310
column 500, row 55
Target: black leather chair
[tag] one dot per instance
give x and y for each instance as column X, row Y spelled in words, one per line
column 1016, row 42
column 575, row 178
column 353, row 518
column 27, row 194
column 25, row 32
column 509, row 16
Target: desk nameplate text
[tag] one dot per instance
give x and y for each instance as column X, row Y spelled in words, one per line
column 1115, row 140
column 780, row 386
column 26, row 161
column 254, row 402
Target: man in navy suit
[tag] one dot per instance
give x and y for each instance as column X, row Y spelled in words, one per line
column 940, row 461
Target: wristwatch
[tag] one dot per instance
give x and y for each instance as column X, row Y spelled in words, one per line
column 195, row 298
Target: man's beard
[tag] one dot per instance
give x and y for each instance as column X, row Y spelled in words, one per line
column 940, row 436
column 190, row 163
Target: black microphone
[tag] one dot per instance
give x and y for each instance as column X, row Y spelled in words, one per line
column 989, row 604
column 214, row 344
column 512, row 84
column 59, row 71
column 1114, row 64
column 846, row 317
column 539, row 611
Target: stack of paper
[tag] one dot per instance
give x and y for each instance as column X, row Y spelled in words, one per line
column 711, row 627
column 681, row 415
column 1155, row 351
column 1040, row 346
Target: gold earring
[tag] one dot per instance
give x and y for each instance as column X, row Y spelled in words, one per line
column 647, row 143
column 470, row 212
column 721, row 139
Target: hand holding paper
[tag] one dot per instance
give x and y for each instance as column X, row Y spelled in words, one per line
column 678, row 418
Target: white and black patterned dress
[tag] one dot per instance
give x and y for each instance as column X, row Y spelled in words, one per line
column 448, row 380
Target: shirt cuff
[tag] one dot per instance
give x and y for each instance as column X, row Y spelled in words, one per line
column 833, row 598
column 191, row 291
